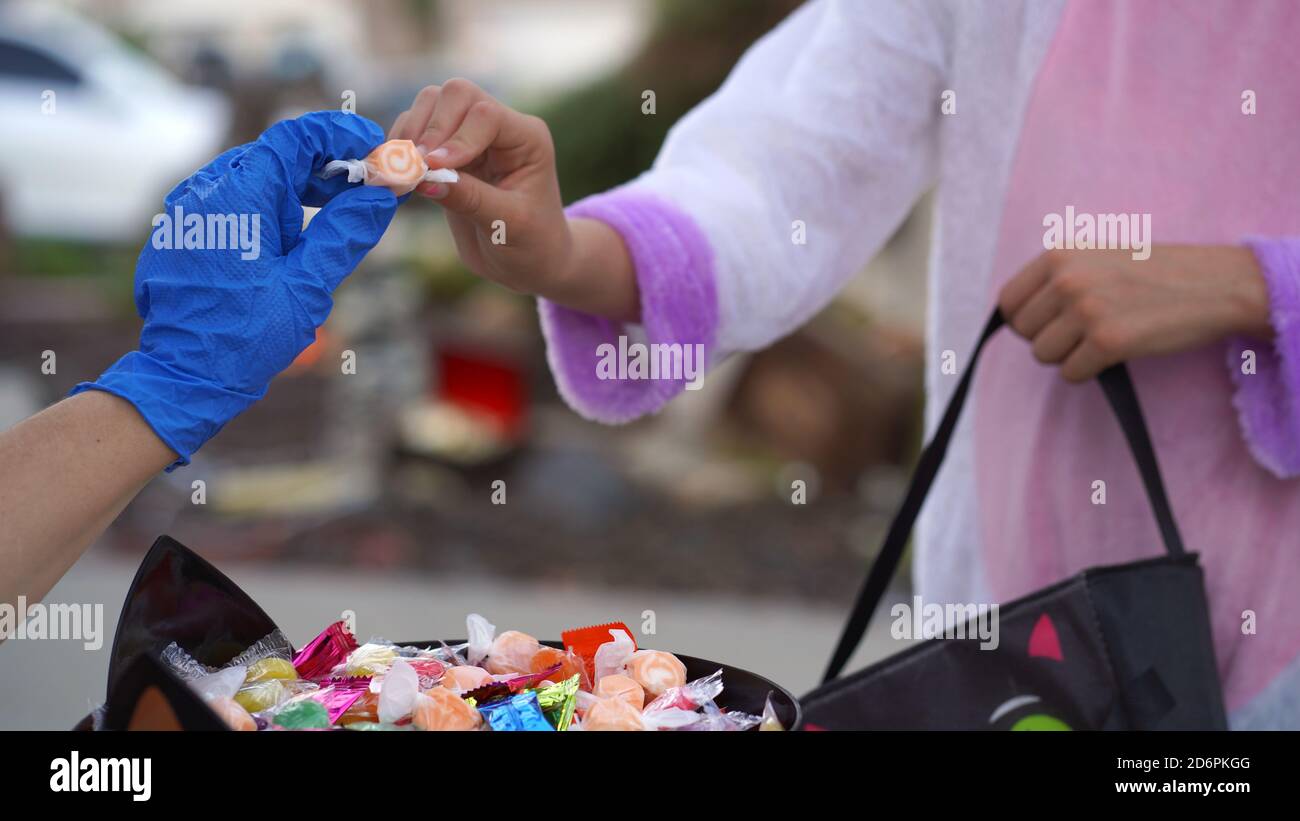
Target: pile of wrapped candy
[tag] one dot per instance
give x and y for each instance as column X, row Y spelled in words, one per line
column 600, row 680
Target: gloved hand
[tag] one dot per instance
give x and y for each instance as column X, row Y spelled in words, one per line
column 222, row 319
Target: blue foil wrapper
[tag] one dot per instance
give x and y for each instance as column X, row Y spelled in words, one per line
column 515, row 714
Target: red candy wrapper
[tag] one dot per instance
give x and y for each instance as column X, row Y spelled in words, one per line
column 325, row 652
column 429, row 670
column 489, row 692
column 583, row 642
column 496, row 690
column 531, row 679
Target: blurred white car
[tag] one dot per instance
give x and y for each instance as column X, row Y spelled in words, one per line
column 92, row 134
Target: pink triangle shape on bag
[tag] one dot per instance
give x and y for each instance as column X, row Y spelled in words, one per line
column 1043, row 641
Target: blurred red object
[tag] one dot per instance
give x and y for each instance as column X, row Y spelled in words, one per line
column 484, row 385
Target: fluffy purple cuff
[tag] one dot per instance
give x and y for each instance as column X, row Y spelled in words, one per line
column 1268, row 401
column 679, row 304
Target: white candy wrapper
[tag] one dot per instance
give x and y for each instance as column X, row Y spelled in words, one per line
column 401, row 686
column 480, row 632
column 221, row 684
column 612, row 656
column 396, row 165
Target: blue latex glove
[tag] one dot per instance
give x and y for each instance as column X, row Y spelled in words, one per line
column 221, row 322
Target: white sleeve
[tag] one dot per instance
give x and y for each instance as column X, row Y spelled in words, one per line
column 828, row 122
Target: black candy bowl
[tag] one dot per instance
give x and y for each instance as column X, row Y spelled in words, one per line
column 178, row 596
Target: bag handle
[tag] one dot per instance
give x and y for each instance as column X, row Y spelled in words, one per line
column 1117, row 385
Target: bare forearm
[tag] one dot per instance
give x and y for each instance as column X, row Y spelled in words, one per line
column 598, row 278
column 65, row 474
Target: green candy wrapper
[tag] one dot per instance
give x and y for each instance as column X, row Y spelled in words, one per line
column 558, row 702
column 305, row 715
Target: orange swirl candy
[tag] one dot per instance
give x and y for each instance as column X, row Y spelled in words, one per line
column 656, row 671
column 511, row 652
column 464, row 678
column 621, row 687
column 547, row 657
column 612, row 715
column 441, row 709
column 397, row 166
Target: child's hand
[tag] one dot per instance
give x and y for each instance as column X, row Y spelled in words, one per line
column 1087, row 310
column 505, row 212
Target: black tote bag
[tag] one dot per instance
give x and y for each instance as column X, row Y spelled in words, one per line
column 1119, row 647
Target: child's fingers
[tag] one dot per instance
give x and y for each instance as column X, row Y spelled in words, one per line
column 398, row 125
column 487, row 124
column 1055, row 342
column 1024, row 284
column 454, row 100
column 471, row 198
column 1036, row 312
column 1085, row 362
column 412, row 121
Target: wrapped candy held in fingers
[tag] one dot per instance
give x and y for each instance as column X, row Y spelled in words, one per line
column 396, row 165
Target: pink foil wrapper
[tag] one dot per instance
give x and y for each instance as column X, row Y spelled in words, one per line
column 338, row 694
column 530, row 679
column 325, row 652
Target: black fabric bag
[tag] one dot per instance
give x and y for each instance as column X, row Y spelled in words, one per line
column 1119, row 647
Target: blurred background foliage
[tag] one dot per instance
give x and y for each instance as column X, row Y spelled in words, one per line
column 603, row 140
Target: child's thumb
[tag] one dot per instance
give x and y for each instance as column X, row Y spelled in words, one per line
column 471, row 198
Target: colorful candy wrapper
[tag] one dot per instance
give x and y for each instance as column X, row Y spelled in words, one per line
column 528, row 680
column 365, row 708
column 401, row 695
column 559, row 701
column 520, row 712
column 690, row 696
column 495, row 691
column 339, row 694
column 325, row 652
column 568, row 662
column 303, row 715
column 429, row 670
column 585, row 641
column 375, row 657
